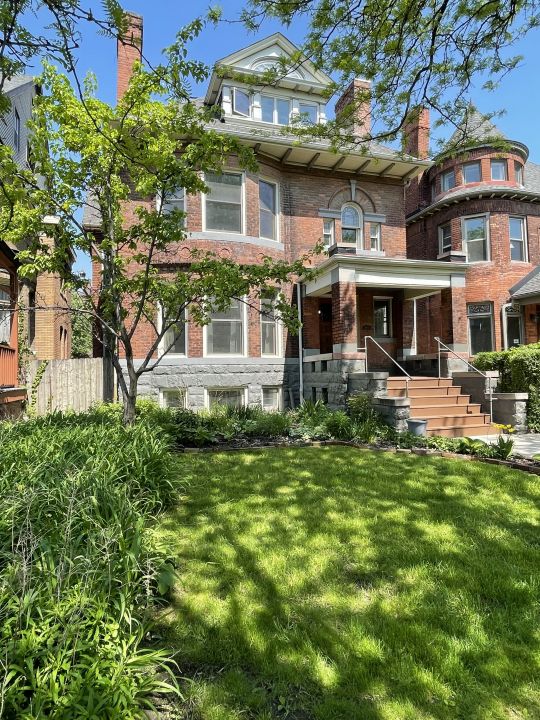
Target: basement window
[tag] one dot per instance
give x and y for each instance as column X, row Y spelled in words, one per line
column 172, row 398
column 271, row 399
column 232, row 397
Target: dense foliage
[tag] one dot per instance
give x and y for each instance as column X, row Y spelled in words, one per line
column 81, row 327
column 519, row 371
column 78, row 573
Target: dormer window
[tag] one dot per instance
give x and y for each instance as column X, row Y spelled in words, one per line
column 275, row 110
column 240, row 102
column 308, row 113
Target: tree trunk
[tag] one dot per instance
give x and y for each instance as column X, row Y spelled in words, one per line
column 130, row 394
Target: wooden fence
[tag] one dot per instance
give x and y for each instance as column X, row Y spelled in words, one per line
column 75, row 384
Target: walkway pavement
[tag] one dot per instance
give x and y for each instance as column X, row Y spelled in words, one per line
column 526, row 445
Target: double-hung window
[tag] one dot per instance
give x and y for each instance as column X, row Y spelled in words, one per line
column 448, row 180
column 240, row 102
column 499, row 170
column 472, row 172
column 328, row 232
column 225, row 334
column 223, row 203
column 268, row 210
column 351, row 228
column 518, row 239
column 5, row 317
column 174, row 338
column 270, row 327
column 175, row 200
column 518, row 172
column 480, row 317
column 475, row 233
column 374, row 236
column 445, row 238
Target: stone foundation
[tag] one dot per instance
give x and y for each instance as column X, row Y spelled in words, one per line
column 477, row 386
column 511, row 409
column 395, row 411
column 328, row 380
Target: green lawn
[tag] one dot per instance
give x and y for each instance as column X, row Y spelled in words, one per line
column 334, row 583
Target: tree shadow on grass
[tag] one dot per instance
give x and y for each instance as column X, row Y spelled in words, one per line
column 341, row 584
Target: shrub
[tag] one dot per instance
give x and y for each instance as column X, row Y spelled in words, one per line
column 78, row 572
column 340, row 426
column 359, row 407
column 270, row 425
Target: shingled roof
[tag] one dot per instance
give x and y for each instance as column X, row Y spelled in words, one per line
column 527, row 287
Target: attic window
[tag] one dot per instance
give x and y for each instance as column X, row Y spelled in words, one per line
column 240, row 102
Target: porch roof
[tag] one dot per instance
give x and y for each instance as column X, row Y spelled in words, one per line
column 417, row 278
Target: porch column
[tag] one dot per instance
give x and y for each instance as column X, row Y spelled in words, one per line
column 454, row 318
column 310, row 326
column 344, row 331
column 409, row 327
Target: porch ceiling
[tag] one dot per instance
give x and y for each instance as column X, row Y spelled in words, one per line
column 417, row 278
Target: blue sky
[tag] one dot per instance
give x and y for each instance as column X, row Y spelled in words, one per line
column 518, row 93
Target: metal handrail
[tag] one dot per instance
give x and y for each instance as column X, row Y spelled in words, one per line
column 476, row 370
column 369, row 337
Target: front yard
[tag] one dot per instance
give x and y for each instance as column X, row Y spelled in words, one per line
column 331, row 583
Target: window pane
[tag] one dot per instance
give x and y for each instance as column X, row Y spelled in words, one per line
column 471, row 172
column 381, row 318
column 480, row 334
column 350, row 217
column 174, row 201
column 518, row 169
column 270, row 398
column 375, row 236
column 225, row 338
column 174, row 340
column 308, row 113
column 448, row 180
column 283, row 111
column 268, row 338
column 498, row 170
column 267, row 108
column 328, row 232
column 348, row 235
column 446, row 237
column 267, row 205
column 241, row 102
column 224, row 188
column 513, row 330
column 517, row 239
column 267, row 196
column 233, row 312
column 5, row 325
column 173, row 398
column 223, row 216
column 234, row 398
column 475, row 237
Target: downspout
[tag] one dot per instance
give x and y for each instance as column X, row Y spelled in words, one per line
column 300, row 342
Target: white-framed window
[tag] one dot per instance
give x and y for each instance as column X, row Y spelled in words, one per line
column 480, row 319
column 351, row 226
column 174, row 341
column 518, row 239
column 518, row 171
column 445, row 238
column 448, row 180
column 512, row 321
column 241, row 102
column 375, row 236
column 476, row 238
column 472, row 172
column 270, row 326
column 328, row 232
column 382, row 317
column 268, row 210
column 275, row 110
column 272, row 399
column 5, row 317
column 17, row 130
column 175, row 200
column 224, row 203
column 309, row 113
column 172, row 398
column 233, row 397
column 499, row 170
column 226, row 333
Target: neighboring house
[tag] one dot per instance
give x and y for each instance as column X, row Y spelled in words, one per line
column 11, row 394
column 45, row 331
column 482, row 207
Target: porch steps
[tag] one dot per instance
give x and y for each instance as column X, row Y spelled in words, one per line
column 447, row 410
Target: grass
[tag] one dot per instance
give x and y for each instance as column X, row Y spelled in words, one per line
column 329, row 583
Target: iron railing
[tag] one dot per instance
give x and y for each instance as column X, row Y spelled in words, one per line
column 408, row 377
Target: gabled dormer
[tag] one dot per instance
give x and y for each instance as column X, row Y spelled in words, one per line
column 296, row 95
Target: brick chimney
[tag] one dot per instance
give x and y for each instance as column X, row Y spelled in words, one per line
column 360, row 119
column 128, row 52
column 416, row 133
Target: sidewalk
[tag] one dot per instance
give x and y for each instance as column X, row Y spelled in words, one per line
column 526, row 445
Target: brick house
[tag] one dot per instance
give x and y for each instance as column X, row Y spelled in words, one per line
column 482, row 207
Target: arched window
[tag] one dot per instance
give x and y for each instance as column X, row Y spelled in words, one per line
column 351, row 225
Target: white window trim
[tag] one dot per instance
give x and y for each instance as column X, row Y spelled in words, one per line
column 498, row 160
column 332, row 233
column 522, row 170
column 443, row 175
column 241, row 388
column 280, row 397
column 181, row 391
column 469, row 317
column 379, row 237
column 5, row 307
column 440, row 231
column 233, row 102
column 359, row 230
column 525, row 238
column 277, row 216
column 465, row 244
column 391, row 312
column 504, row 318
column 275, row 112
column 161, row 347
column 279, row 335
column 245, row 338
column 242, row 210
column 469, row 164
column 309, row 104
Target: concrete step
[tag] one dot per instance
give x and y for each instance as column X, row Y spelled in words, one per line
column 443, row 401
column 434, row 411
column 465, row 421
column 463, row 431
column 400, row 382
column 427, row 391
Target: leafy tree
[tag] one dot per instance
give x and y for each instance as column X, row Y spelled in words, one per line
column 146, row 147
column 416, row 52
column 81, row 326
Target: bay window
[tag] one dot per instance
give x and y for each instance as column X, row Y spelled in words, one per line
column 472, row 172
column 224, row 202
column 268, row 210
column 448, row 180
column 475, row 234
column 480, row 317
column 499, row 170
column 518, row 239
column 518, row 171
column 225, row 334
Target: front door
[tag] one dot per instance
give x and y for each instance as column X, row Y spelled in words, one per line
column 514, row 326
column 325, row 326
